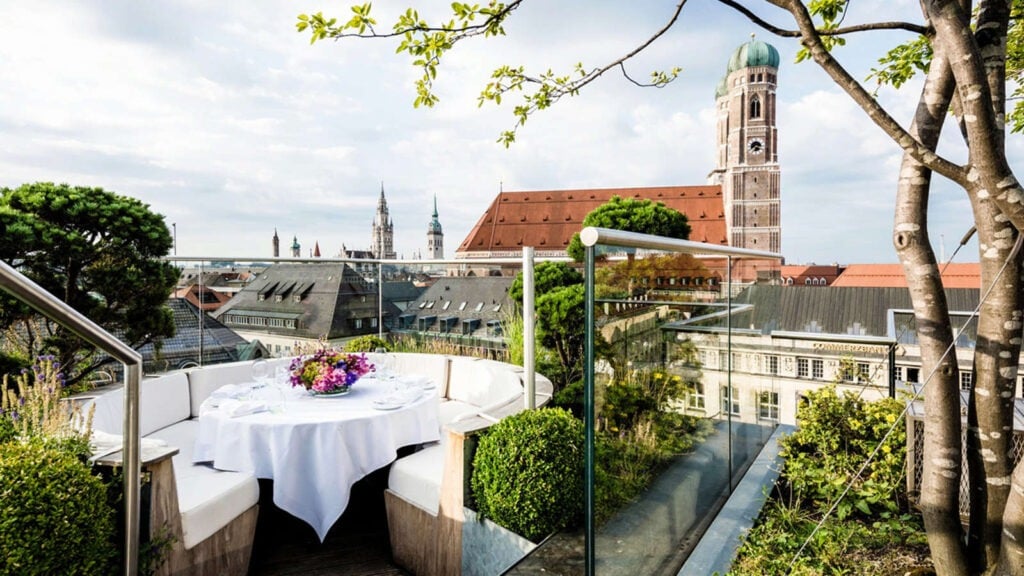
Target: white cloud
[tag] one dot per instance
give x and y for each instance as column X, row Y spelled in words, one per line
column 225, row 119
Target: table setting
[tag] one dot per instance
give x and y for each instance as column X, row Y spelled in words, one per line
column 292, row 424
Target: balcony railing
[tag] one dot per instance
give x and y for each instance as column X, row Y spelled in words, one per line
column 643, row 314
column 48, row 305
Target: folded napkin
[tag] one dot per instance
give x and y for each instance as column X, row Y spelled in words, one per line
column 229, row 391
column 234, row 408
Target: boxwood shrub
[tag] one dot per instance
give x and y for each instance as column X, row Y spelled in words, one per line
column 54, row 517
column 528, row 472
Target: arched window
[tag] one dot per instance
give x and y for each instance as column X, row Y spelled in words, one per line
column 755, row 107
column 807, row 281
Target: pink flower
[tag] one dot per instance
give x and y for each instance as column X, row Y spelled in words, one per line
column 327, row 370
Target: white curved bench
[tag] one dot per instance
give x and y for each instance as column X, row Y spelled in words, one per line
column 425, row 493
column 210, row 514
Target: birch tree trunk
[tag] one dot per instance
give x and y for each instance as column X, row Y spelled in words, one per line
column 940, row 480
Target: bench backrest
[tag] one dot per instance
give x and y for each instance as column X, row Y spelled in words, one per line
column 162, row 401
column 434, row 366
column 483, row 383
column 203, row 381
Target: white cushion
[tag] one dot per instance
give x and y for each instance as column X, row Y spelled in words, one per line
column 433, row 366
column 483, row 383
column 107, row 411
column 452, row 410
column 417, row 477
column 203, row 381
column 183, row 437
column 208, row 499
column 163, row 401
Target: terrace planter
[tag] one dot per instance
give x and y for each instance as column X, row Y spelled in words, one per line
column 488, row 548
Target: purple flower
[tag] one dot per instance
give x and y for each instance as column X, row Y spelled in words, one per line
column 327, row 370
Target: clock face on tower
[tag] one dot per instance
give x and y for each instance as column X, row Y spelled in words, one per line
column 755, row 146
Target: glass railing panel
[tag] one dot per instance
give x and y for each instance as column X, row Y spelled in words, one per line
column 454, row 306
column 685, row 395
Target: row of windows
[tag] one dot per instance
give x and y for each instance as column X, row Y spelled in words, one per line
column 767, row 401
column 913, row 374
column 683, row 281
column 447, row 304
column 358, row 323
column 259, row 321
column 760, row 77
column 809, row 282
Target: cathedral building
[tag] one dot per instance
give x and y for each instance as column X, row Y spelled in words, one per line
column 739, row 206
column 747, row 147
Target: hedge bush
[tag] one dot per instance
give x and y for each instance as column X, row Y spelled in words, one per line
column 54, row 517
column 528, row 472
column 367, row 343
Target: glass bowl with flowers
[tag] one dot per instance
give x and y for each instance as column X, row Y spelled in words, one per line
column 329, row 372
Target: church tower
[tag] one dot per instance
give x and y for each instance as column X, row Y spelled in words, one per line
column 296, row 248
column 277, row 245
column 435, row 237
column 382, row 244
column 747, row 141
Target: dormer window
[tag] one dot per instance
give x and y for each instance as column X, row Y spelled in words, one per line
column 479, row 306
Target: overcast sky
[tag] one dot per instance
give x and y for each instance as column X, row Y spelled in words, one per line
column 224, row 119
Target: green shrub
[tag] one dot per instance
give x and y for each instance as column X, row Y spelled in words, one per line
column 54, row 517
column 528, row 472
column 368, row 343
column 837, row 434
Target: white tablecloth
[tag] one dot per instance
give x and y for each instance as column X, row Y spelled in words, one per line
column 316, row 448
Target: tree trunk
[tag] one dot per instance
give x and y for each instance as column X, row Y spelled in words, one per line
column 940, row 481
column 1011, row 561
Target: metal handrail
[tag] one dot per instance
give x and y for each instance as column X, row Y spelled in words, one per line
column 48, row 305
column 591, row 236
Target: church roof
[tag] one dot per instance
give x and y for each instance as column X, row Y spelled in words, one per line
column 753, row 53
column 547, row 219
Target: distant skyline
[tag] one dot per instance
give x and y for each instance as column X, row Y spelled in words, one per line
column 225, row 120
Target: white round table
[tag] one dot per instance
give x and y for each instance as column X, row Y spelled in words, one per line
column 316, row 448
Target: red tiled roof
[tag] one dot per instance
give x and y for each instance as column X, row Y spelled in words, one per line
column 891, row 276
column 547, row 219
column 798, row 273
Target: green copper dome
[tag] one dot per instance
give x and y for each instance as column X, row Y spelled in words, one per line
column 722, row 88
column 753, row 53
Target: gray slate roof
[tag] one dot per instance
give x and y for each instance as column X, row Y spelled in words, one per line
column 488, row 293
column 220, row 343
column 325, row 299
column 832, row 310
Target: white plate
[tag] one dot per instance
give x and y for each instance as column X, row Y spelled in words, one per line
column 386, row 405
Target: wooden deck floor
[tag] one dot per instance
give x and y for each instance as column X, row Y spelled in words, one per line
column 357, row 545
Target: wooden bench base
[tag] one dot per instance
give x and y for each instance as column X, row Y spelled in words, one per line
column 225, row 553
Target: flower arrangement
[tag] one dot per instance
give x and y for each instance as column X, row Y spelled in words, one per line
column 328, row 371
